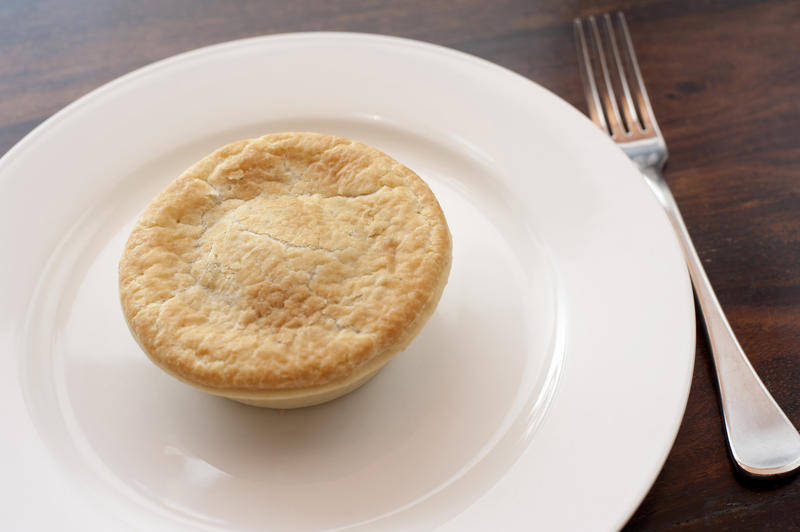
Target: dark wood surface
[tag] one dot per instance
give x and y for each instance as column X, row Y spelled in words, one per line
column 724, row 77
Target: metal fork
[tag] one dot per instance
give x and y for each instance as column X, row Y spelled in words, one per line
column 762, row 440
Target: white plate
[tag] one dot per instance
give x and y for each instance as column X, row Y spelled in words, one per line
column 544, row 393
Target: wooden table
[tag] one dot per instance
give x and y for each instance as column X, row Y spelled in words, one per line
column 724, row 78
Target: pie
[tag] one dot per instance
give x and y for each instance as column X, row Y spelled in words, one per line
column 285, row 271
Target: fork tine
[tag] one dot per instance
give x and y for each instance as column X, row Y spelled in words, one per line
column 628, row 107
column 587, row 73
column 612, row 111
column 648, row 119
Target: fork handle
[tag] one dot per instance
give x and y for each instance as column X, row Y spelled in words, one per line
column 762, row 440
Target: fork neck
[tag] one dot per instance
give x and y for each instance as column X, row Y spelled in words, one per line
column 655, row 180
column 647, row 153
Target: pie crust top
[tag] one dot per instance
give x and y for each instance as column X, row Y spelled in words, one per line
column 283, row 262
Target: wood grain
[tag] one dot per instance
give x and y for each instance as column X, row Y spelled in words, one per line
column 724, row 78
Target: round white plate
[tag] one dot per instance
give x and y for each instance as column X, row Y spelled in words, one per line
column 544, row 393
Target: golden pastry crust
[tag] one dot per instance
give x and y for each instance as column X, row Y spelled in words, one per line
column 291, row 262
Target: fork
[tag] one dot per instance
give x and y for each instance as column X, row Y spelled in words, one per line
column 762, row 440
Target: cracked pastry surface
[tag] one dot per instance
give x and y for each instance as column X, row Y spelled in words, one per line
column 286, row 262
